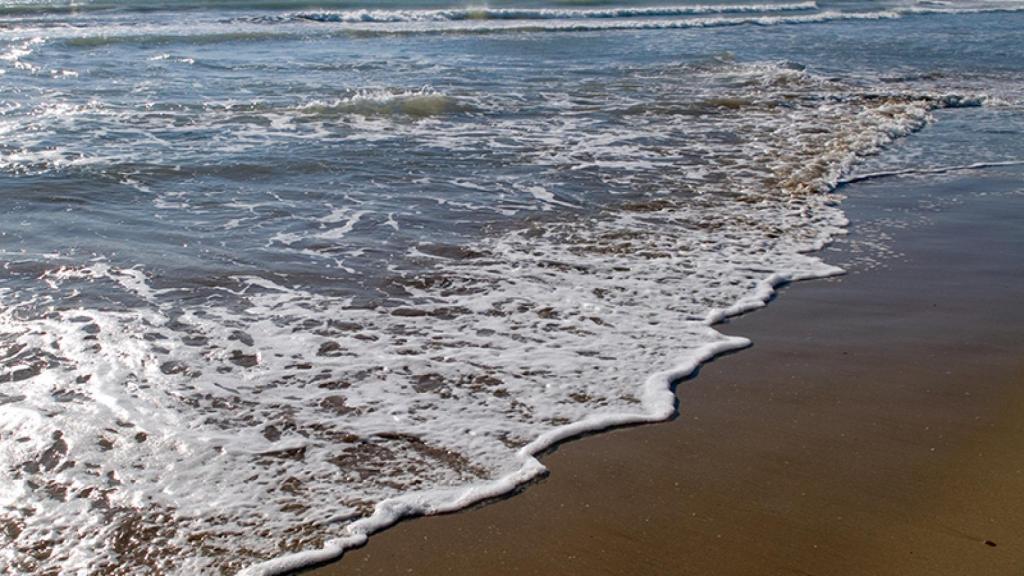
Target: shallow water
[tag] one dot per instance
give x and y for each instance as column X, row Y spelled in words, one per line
column 269, row 265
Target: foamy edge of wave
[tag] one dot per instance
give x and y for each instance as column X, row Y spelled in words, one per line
column 484, row 14
column 667, row 18
column 657, row 396
column 486, row 26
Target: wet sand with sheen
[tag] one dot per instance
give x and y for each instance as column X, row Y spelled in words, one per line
column 875, row 427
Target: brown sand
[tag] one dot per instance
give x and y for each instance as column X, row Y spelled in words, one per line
column 876, row 427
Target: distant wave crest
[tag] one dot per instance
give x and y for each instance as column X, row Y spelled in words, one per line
column 461, row 14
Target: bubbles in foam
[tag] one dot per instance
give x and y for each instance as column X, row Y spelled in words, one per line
column 300, row 289
column 204, row 428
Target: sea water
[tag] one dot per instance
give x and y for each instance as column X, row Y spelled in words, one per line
column 276, row 274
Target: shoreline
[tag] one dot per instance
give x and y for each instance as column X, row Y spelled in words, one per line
column 658, row 395
column 478, row 538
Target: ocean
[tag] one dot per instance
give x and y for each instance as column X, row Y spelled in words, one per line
column 277, row 274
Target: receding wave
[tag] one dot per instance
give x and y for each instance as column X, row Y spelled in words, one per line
column 414, row 103
column 469, row 26
column 250, row 415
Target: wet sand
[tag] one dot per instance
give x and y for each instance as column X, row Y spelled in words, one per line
column 875, row 427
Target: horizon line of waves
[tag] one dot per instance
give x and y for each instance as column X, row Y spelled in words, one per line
column 349, row 14
column 496, row 26
column 374, row 16
column 213, row 36
column 484, row 26
column 296, row 29
column 484, row 13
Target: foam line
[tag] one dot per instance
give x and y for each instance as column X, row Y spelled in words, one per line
column 382, row 16
column 400, row 23
column 659, row 402
column 593, row 25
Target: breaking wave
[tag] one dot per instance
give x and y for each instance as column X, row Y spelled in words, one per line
column 484, row 13
column 420, row 103
column 489, row 21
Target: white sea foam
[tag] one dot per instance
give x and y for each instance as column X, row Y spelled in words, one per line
column 654, row 18
column 258, row 417
column 491, row 26
column 767, row 14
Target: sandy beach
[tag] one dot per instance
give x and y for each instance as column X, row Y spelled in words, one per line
column 873, row 428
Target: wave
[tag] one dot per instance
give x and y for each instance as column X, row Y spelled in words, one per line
column 172, row 37
column 626, row 24
column 343, row 418
column 379, row 16
column 419, row 103
column 889, row 118
column 355, row 12
column 263, row 415
column 28, row 8
column 484, row 13
column 213, row 35
column 961, row 9
column 492, row 21
column 260, row 120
